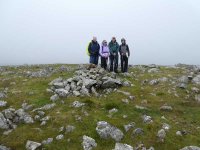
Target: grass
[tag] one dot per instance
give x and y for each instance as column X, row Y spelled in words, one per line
column 185, row 114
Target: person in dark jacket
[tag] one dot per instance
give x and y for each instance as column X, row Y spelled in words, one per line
column 114, row 50
column 93, row 50
column 124, row 53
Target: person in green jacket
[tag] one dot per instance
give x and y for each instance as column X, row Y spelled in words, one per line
column 114, row 56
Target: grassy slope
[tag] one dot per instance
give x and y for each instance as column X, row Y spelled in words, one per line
column 185, row 115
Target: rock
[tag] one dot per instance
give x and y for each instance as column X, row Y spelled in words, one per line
column 45, row 107
column 58, row 85
column 60, row 137
column 3, row 103
column 70, row 128
column 183, row 79
column 111, row 83
column 43, row 123
column 2, row 95
column 123, row 92
column 105, row 131
column 112, row 111
column 3, row 122
column 89, row 82
column 24, row 117
column 191, row 148
column 28, row 119
column 9, row 113
column 31, row 145
column 7, row 133
column 179, row 133
column 88, row 143
column 45, row 118
column 131, row 97
column 41, row 113
column 138, row 131
column 54, row 97
column 48, row 141
column 147, row 119
column 56, row 81
column 197, row 98
column 154, row 82
column 166, row 108
column 62, row 92
column 77, row 104
column 4, row 147
column 140, row 107
column 153, row 70
column 161, row 135
column 120, row 146
column 182, row 85
column 195, row 90
column 126, row 83
column 196, row 80
column 163, row 79
column 76, row 93
column 25, row 106
column 166, row 127
column 126, row 101
column 129, row 126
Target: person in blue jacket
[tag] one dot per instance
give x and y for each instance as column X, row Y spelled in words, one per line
column 93, row 50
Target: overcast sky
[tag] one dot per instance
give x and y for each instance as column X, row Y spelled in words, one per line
column 162, row 32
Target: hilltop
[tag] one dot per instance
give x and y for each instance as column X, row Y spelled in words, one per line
column 61, row 107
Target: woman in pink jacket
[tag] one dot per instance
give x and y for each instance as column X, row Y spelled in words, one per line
column 104, row 53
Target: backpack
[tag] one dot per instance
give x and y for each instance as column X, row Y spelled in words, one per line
column 87, row 52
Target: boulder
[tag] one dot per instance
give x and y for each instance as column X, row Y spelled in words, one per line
column 31, row 145
column 191, row 148
column 105, row 131
column 88, row 143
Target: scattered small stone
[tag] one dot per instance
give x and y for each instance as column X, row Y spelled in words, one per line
column 48, row 141
column 166, row 108
column 126, row 101
column 60, row 137
column 77, row 104
column 178, row 133
column 138, row 131
column 161, row 135
column 147, row 119
column 121, row 146
column 54, row 97
column 3, row 103
column 166, row 127
column 70, row 128
column 129, row 126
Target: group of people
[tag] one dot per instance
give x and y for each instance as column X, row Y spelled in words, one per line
column 109, row 51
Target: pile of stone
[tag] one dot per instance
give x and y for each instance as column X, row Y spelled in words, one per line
column 85, row 82
column 9, row 118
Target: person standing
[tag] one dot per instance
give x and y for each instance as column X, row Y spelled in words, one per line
column 104, row 53
column 124, row 53
column 93, row 50
column 114, row 50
